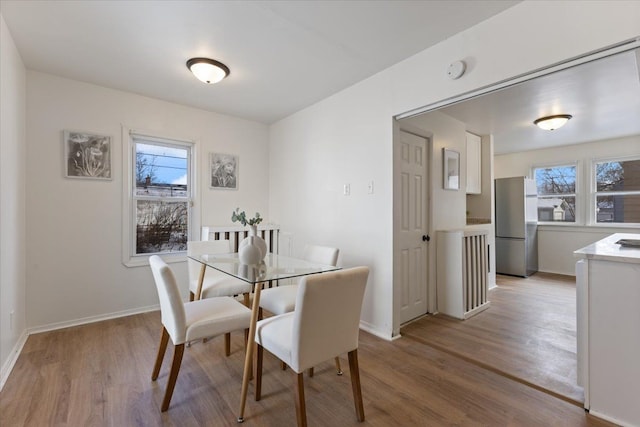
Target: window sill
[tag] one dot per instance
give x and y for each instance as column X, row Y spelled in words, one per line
column 599, row 228
column 143, row 260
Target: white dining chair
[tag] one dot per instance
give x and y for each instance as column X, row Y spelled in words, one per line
column 282, row 299
column 321, row 326
column 183, row 322
column 215, row 283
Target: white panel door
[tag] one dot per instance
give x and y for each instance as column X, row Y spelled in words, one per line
column 413, row 225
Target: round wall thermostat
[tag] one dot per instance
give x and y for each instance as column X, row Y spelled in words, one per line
column 456, row 70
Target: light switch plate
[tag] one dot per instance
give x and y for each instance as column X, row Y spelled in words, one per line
column 347, row 190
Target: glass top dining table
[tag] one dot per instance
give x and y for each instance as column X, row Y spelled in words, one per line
column 274, row 267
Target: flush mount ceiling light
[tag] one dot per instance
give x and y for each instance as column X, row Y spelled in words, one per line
column 208, row 70
column 552, row 122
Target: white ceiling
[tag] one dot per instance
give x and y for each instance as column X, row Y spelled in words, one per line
column 283, row 55
column 286, row 55
column 603, row 97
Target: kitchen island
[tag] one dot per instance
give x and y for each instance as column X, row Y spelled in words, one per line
column 608, row 311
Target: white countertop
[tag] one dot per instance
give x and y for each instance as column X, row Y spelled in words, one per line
column 607, row 249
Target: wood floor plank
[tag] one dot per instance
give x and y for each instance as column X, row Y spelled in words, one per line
column 100, row 375
column 529, row 332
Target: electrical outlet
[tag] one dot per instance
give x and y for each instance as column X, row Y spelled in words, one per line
column 347, row 190
column 370, row 187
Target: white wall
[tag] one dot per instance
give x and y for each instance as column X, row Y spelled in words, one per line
column 12, row 202
column 347, row 138
column 310, row 163
column 556, row 243
column 74, row 260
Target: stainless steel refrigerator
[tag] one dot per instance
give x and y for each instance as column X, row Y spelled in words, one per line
column 516, row 226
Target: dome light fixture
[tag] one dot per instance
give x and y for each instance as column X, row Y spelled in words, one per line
column 552, row 122
column 208, row 70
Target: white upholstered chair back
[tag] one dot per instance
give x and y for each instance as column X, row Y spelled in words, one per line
column 321, row 254
column 327, row 316
column 202, row 248
column 171, row 305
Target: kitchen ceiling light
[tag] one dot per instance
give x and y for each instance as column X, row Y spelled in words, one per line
column 552, row 122
column 208, row 70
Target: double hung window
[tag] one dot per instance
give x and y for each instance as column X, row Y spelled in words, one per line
column 556, row 193
column 617, row 191
column 160, row 194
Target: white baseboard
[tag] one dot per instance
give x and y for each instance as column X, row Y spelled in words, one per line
column 610, row 419
column 91, row 319
column 563, row 273
column 367, row 327
column 13, row 357
column 17, row 349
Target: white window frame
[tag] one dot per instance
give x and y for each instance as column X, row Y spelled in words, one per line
column 593, row 193
column 129, row 257
column 579, row 217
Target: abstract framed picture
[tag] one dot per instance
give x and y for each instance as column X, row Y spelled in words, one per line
column 451, row 169
column 224, row 171
column 87, row 155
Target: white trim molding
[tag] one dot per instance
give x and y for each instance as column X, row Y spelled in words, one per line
column 13, row 358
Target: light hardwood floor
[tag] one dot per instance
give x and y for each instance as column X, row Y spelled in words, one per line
column 528, row 333
column 99, row 375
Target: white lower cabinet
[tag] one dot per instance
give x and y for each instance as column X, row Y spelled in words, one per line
column 608, row 308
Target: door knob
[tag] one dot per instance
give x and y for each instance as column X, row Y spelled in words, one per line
column 426, row 238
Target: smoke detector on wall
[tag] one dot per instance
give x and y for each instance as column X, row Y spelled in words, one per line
column 456, row 70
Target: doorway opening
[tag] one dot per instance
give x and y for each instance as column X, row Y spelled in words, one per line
column 594, row 84
column 411, row 221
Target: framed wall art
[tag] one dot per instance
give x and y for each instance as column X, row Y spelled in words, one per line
column 451, row 169
column 224, row 171
column 87, row 155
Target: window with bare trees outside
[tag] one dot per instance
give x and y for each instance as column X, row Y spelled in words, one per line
column 161, row 195
column 556, row 193
column 617, row 191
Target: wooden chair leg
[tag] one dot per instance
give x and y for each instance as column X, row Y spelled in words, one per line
column 355, row 384
column 259, row 355
column 227, row 344
column 178, row 351
column 260, row 313
column 338, row 368
column 192, row 296
column 301, row 410
column 310, row 372
column 247, row 302
column 164, row 339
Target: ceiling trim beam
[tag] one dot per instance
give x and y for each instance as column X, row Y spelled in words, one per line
column 563, row 65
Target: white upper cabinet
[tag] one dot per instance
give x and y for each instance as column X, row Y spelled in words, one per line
column 474, row 164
